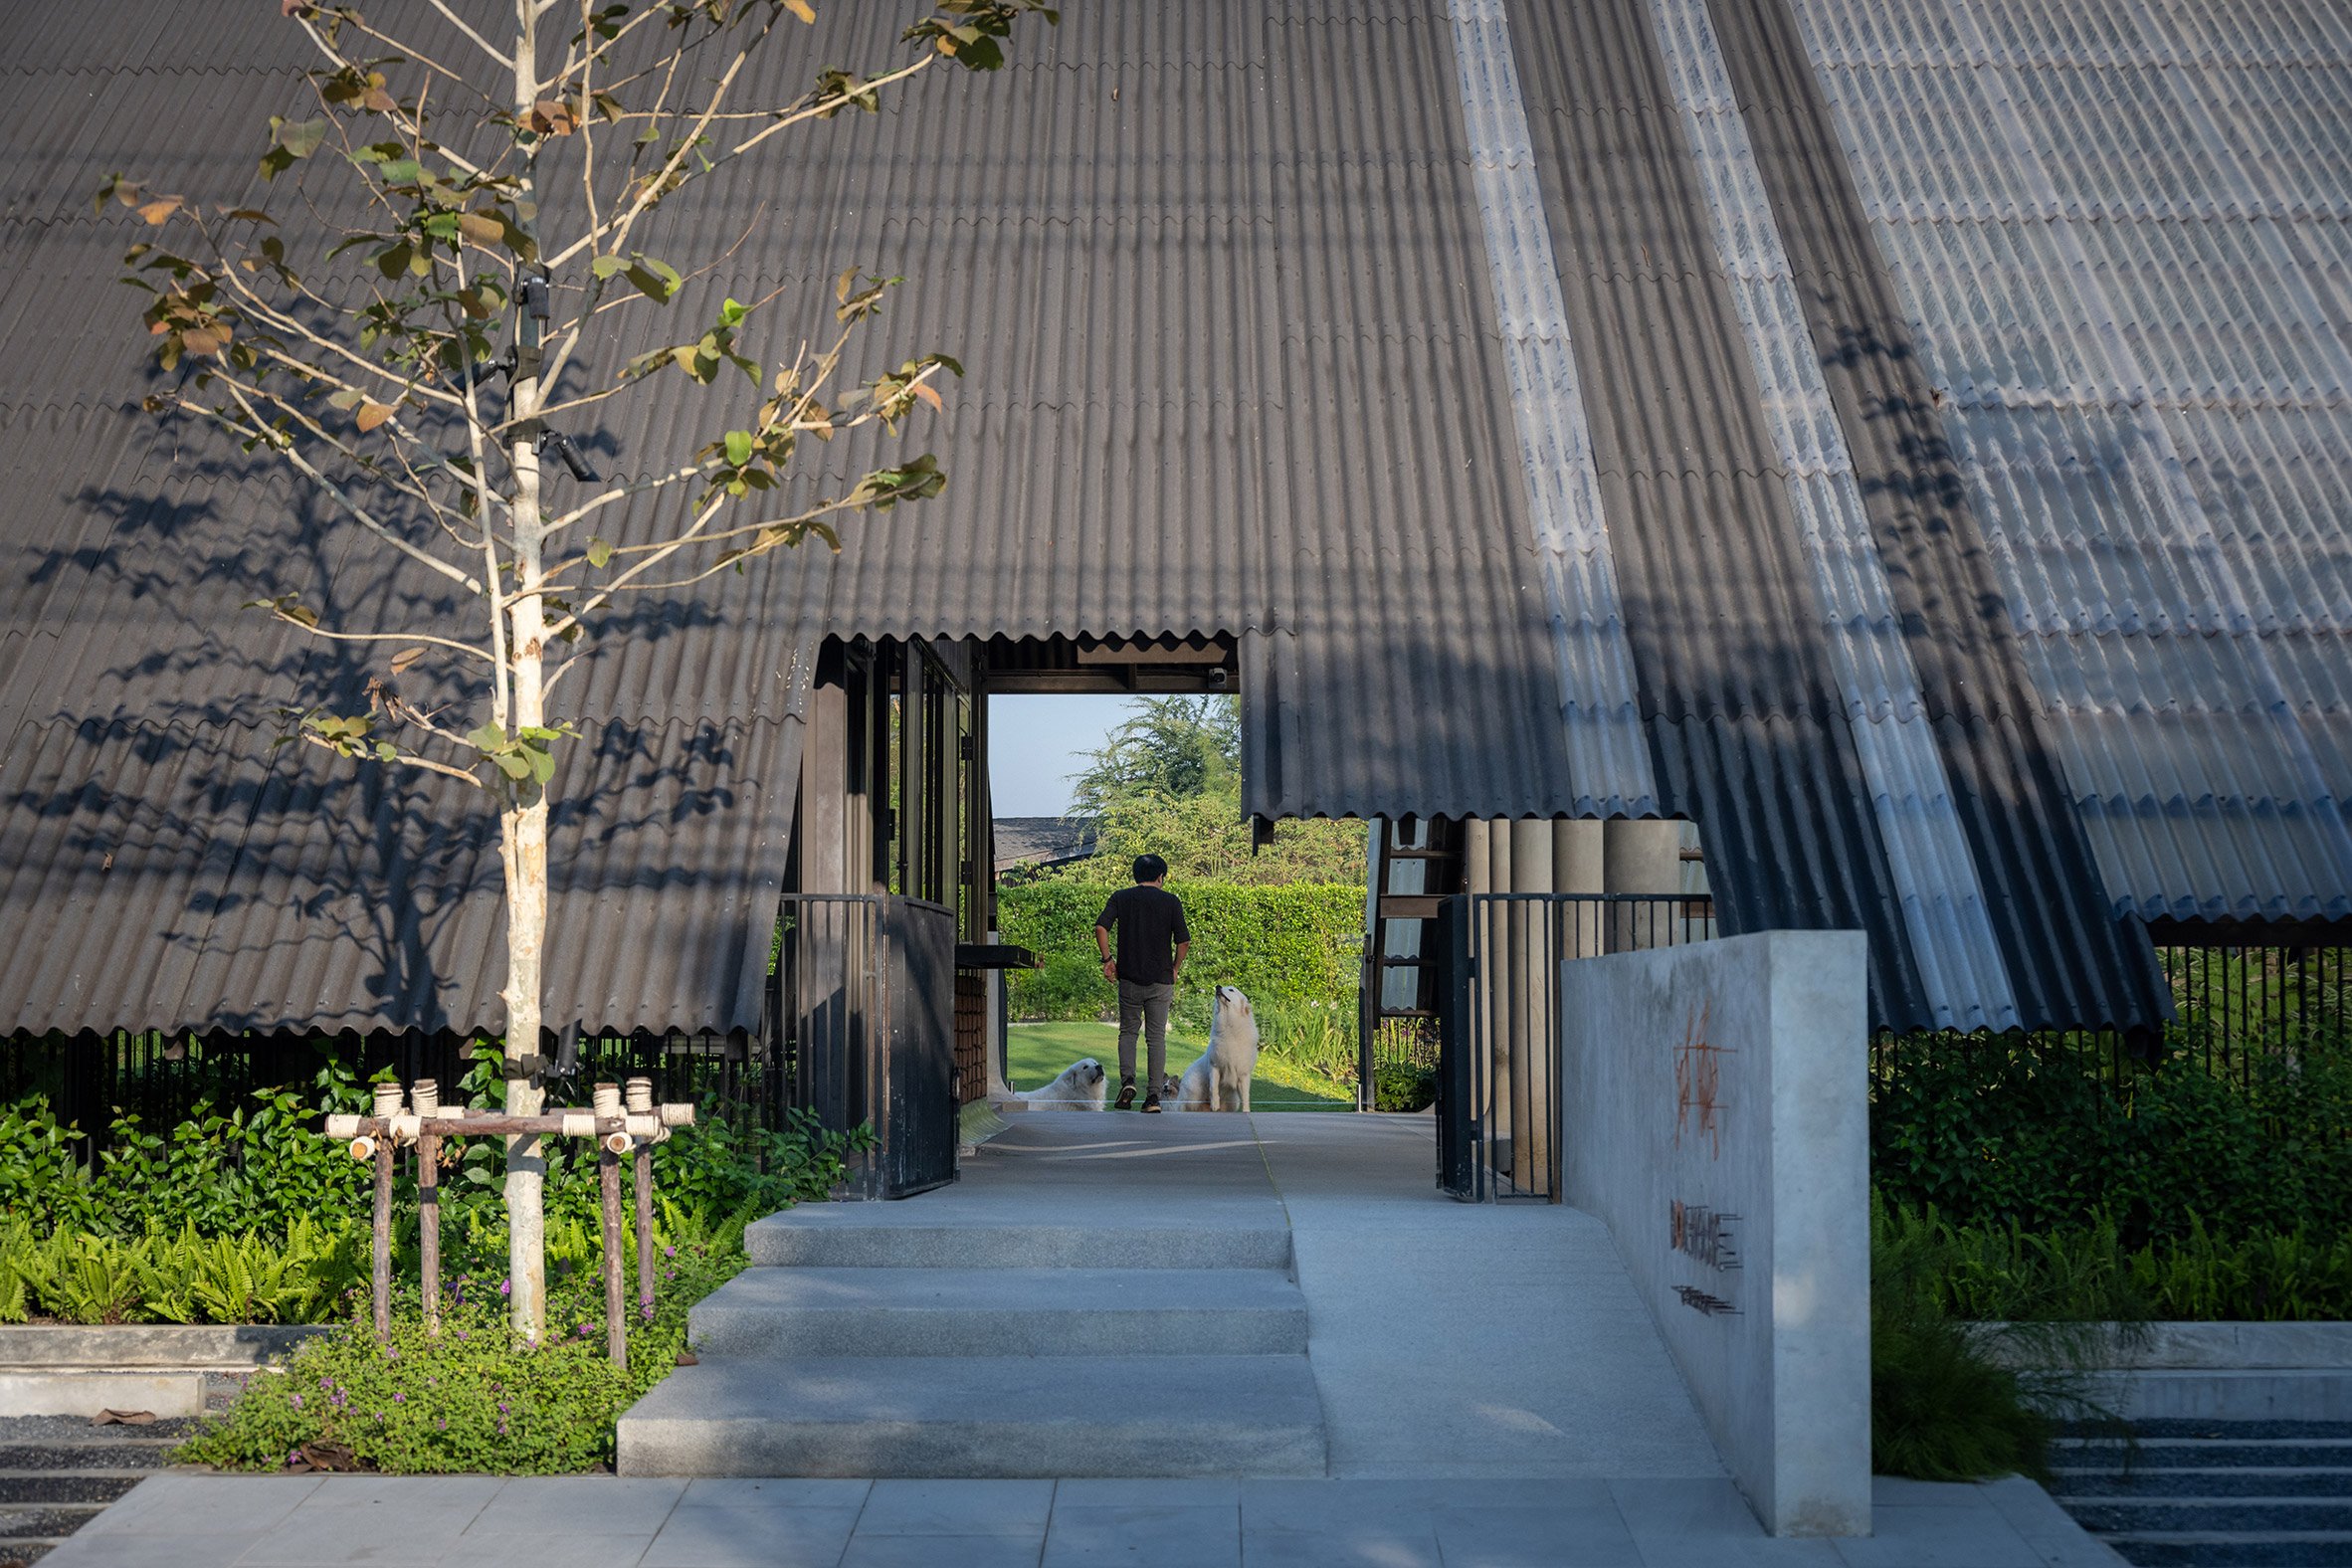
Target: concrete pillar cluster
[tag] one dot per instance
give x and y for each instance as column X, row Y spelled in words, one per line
column 1524, row 943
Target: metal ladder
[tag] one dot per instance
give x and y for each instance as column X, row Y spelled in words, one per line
column 1414, row 863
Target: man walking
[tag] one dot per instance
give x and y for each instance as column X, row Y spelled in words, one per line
column 1153, row 940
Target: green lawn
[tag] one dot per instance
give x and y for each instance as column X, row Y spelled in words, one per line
column 1037, row 1052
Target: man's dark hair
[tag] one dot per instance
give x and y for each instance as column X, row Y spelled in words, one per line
column 1150, row 867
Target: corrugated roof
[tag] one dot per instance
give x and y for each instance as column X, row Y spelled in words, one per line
column 2117, row 231
column 1261, row 343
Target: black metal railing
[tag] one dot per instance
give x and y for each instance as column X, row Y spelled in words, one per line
column 1498, row 1088
column 2236, row 1007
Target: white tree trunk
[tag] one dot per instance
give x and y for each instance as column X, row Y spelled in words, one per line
column 523, row 823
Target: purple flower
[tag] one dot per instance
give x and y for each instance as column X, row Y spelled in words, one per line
column 400, row 1399
column 585, row 1330
column 646, row 1310
column 296, row 1400
column 669, row 1251
column 501, row 1407
column 392, row 1353
column 505, row 1288
column 501, row 1429
column 441, row 1423
column 328, row 1383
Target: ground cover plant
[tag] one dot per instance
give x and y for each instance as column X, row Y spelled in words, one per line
column 476, row 1397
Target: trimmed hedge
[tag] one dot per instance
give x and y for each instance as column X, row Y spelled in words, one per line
column 1299, row 944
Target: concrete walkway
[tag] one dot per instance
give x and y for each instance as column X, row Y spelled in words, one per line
column 1492, row 1391
column 197, row 1521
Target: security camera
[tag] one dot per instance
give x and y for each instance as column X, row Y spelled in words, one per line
column 1220, row 677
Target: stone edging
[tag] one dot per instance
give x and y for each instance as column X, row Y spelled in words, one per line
column 233, row 1347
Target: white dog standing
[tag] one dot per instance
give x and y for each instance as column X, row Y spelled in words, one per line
column 1078, row 1087
column 1219, row 1080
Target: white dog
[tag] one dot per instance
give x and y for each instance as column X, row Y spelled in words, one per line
column 1219, row 1080
column 1079, row 1087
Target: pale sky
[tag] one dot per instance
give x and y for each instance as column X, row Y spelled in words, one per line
column 1035, row 744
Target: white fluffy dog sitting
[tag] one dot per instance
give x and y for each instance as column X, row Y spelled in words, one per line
column 1077, row 1087
column 1219, row 1080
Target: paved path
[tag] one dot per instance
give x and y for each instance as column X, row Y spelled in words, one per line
column 197, row 1521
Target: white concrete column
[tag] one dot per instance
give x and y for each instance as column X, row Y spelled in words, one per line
column 1577, row 858
column 1535, row 966
column 1640, row 856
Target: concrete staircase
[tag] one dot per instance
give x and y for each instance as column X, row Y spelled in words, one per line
column 864, row 1341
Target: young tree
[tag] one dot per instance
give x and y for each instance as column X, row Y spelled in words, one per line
column 491, row 177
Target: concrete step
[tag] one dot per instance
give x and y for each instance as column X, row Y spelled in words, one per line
column 2231, row 1515
column 873, row 1236
column 773, row 1312
column 2209, row 1453
column 980, row 1416
column 2279, row 1549
column 2073, row 1483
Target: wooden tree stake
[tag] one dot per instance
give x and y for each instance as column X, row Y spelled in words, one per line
column 641, row 1104
column 611, row 1140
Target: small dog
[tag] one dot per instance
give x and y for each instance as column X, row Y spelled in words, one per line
column 1077, row 1087
column 1219, row 1080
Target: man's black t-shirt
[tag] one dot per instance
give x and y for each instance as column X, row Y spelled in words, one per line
column 1149, row 923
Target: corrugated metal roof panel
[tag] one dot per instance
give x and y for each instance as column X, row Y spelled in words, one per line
column 2125, row 270
column 1927, row 854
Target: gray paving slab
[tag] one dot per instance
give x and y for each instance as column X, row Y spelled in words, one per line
column 751, row 1537
column 124, row 1550
column 606, row 1549
column 957, row 1507
column 741, row 1491
column 1548, row 1364
column 191, row 1505
column 1536, row 1538
column 1390, row 1544
column 1408, row 1522
column 941, row 1552
column 578, row 1505
column 1145, row 1535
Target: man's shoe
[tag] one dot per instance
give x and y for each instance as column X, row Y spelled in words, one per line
column 1127, row 1094
column 1151, row 1103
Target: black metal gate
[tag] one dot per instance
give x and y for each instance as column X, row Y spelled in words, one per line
column 1499, row 1026
column 866, row 998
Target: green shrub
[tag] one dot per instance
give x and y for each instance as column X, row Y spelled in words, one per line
column 2089, row 1274
column 1286, row 946
column 472, row 1398
column 252, row 1215
column 1404, row 1086
column 2011, row 1131
column 1942, row 1408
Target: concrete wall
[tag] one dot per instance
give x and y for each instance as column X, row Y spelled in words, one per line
column 1718, row 1090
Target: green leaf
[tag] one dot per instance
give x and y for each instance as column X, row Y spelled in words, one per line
column 393, row 261
column 738, row 446
column 732, row 312
column 489, row 737
column 302, row 138
column 606, row 266
column 657, row 280
column 600, row 554
column 511, row 764
column 542, row 764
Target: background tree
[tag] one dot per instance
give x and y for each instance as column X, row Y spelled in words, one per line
column 1168, row 781
column 475, row 201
